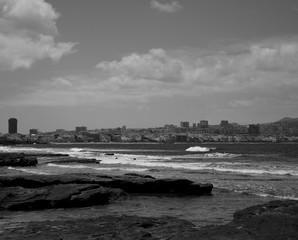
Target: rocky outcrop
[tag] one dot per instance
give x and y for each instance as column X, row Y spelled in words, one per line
column 57, row 196
column 74, row 190
column 64, row 158
column 130, row 183
column 275, row 220
column 30, row 159
column 106, row 227
column 17, row 159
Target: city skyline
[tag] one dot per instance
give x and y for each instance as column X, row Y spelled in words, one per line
column 146, row 63
column 200, row 125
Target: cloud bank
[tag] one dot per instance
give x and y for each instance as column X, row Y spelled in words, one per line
column 166, row 7
column 237, row 76
column 153, row 65
column 27, row 34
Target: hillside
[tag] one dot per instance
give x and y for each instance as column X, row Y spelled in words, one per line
column 287, row 120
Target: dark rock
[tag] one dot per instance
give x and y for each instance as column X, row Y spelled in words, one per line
column 106, row 227
column 46, row 155
column 138, row 175
column 131, row 183
column 276, row 220
column 17, row 159
column 68, row 159
column 57, row 196
column 109, row 154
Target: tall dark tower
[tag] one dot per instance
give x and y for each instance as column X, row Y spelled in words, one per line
column 12, row 125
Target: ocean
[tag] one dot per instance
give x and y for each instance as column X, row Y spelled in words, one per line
column 243, row 174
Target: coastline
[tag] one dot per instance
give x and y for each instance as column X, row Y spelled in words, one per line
column 142, row 210
column 271, row 220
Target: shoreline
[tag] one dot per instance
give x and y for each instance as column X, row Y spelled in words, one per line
column 147, row 143
column 271, row 220
column 151, row 227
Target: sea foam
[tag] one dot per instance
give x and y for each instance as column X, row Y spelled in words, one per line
column 31, row 171
column 199, row 149
column 98, row 168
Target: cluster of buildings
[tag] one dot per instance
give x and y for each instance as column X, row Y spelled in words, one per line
column 224, row 128
column 197, row 132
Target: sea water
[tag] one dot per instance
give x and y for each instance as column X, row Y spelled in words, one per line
column 243, row 174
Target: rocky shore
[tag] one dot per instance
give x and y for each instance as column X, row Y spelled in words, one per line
column 17, row 159
column 274, row 220
column 29, row 160
column 73, row 190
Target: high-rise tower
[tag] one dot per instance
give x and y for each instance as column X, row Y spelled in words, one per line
column 12, row 125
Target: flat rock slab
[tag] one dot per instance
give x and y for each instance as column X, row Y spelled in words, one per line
column 107, row 227
column 56, row 196
column 276, row 220
column 130, row 183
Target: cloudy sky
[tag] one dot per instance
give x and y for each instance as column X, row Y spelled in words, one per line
column 146, row 63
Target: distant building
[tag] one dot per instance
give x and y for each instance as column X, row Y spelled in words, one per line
column 123, row 129
column 194, row 125
column 254, row 129
column 224, row 123
column 184, row 124
column 33, row 131
column 12, row 125
column 204, row 124
column 81, row 129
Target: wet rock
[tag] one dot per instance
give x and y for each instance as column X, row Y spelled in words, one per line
column 109, row 154
column 17, row 159
column 57, row 196
column 130, row 183
column 106, row 227
column 68, row 160
column 276, row 220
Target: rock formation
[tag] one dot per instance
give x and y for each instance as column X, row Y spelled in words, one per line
column 276, row 220
column 17, row 159
column 56, row 196
column 74, row 190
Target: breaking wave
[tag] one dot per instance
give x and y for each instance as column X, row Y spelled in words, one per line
column 199, row 149
column 22, row 149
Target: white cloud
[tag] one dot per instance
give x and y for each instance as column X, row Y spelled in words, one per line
column 153, row 65
column 27, row 34
column 61, row 82
column 166, row 7
column 278, row 57
column 255, row 75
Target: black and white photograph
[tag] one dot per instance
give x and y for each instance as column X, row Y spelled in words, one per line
column 149, row 119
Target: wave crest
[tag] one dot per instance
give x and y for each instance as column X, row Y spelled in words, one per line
column 199, row 149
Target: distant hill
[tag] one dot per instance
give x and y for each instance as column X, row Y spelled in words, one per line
column 287, row 120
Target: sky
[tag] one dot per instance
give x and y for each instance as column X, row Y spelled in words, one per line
column 146, row 63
